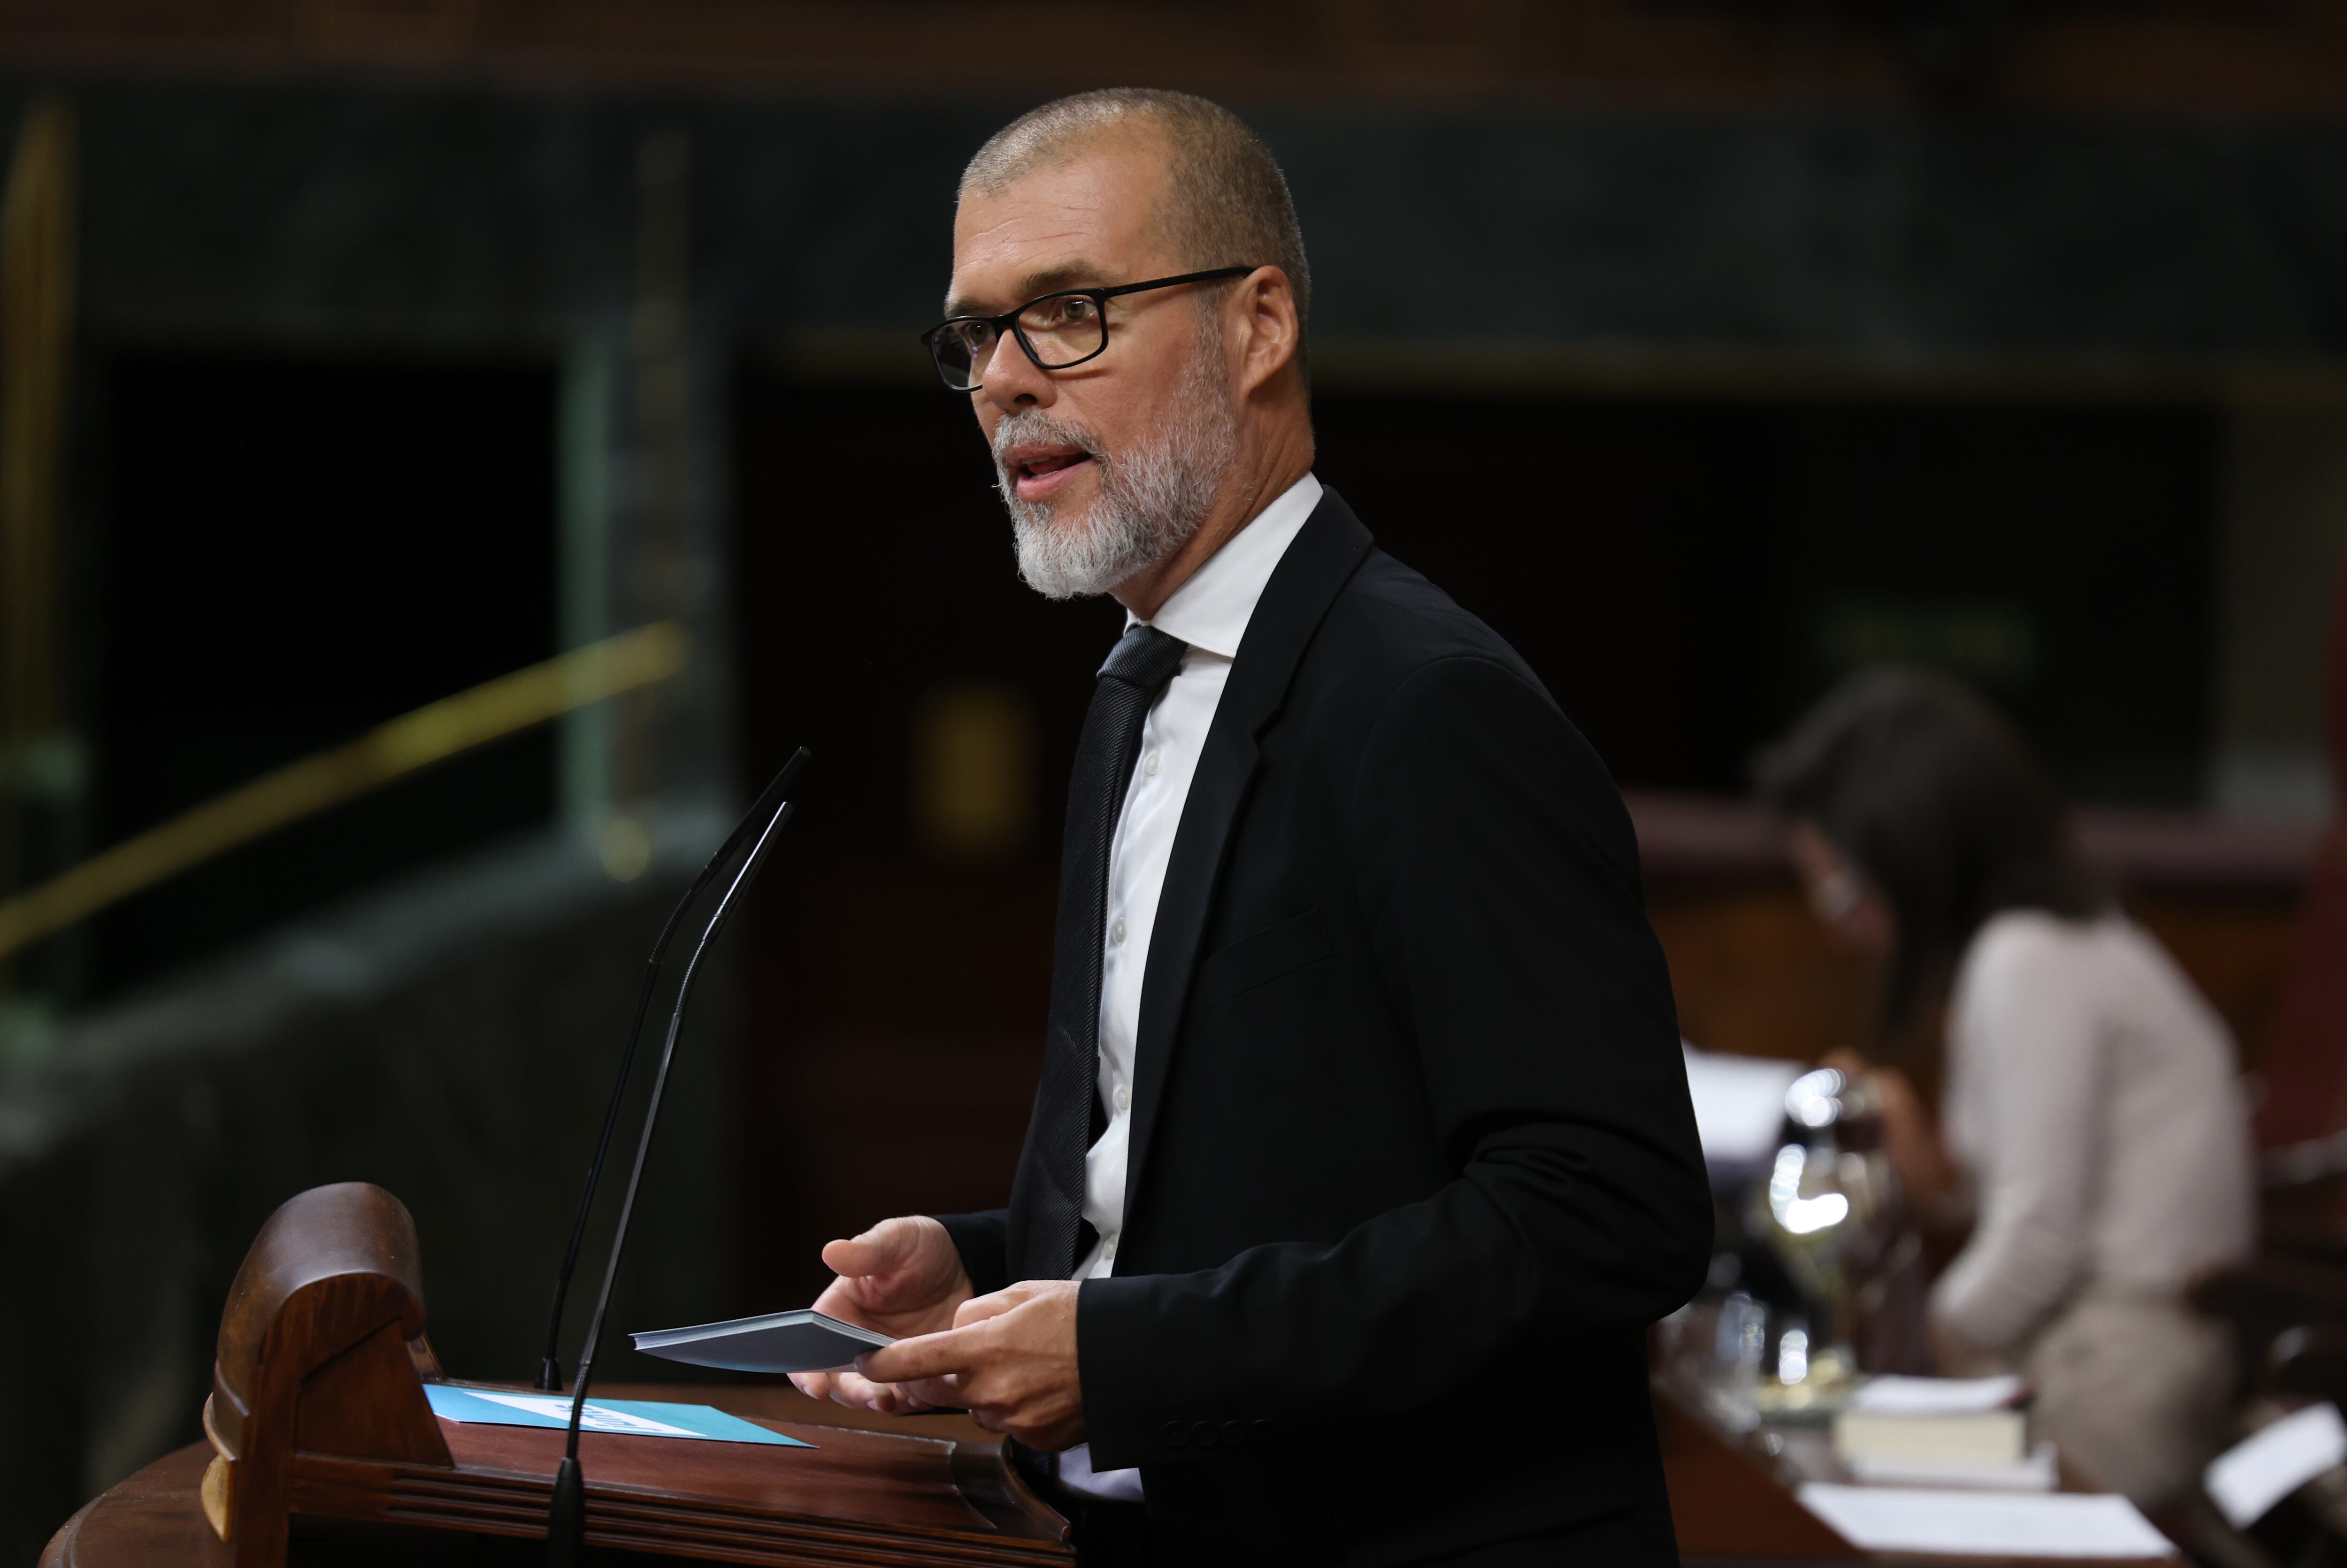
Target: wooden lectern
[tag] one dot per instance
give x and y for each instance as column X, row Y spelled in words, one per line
column 319, row 1427
column 318, row 1411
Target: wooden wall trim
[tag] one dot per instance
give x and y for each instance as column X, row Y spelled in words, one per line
column 1694, row 838
column 2178, row 56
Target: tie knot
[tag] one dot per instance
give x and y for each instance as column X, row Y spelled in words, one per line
column 1145, row 657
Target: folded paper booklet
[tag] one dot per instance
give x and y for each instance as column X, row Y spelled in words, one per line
column 1940, row 1432
column 1976, row 1437
column 803, row 1341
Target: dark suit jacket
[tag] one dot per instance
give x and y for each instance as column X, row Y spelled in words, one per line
column 1413, row 1163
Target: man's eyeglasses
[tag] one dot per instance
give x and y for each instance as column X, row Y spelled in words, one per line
column 1056, row 330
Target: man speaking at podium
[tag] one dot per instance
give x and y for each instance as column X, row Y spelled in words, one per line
column 1362, row 1155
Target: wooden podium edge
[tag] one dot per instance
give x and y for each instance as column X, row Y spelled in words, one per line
column 155, row 1516
column 55, row 1555
column 318, row 1410
column 509, row 1503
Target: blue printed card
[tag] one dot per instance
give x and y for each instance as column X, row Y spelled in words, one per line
column 636, row 1417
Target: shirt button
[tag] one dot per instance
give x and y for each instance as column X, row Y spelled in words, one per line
column 1123, row 1098
column 1108, row 1250
column 1116, row 932
column 1149, row 765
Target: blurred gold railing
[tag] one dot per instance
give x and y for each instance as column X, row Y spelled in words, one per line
column 433, row 733
column 37, row 332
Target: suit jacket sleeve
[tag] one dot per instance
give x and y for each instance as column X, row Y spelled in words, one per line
column 983, row 1241
column 1497, row 875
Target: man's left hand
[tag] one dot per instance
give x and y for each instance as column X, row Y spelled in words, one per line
column 1009, row 1360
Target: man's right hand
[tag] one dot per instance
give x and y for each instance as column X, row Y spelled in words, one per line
column 903, row 1277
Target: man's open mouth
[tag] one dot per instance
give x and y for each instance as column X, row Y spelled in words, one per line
column 1039, row 470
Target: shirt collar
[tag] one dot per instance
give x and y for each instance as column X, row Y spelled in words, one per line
column 1211, row 609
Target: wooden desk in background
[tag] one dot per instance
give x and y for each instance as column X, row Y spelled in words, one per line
column 1732, row 1493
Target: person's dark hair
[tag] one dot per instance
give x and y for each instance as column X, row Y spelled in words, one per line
column 1936, row 798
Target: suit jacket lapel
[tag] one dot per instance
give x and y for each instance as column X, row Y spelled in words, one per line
column 1319, row 561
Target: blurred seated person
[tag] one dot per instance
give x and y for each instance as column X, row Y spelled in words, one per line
column 2091, row 1128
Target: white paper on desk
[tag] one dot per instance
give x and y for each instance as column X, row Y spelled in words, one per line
column 1892, row 1396
column 2248, row 1478
column 1739, row 1104
column 1986, row 1523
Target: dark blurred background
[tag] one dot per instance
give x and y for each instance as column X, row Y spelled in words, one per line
column 1710, row 349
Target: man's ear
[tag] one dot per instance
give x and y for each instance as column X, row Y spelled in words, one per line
column 1266, row 326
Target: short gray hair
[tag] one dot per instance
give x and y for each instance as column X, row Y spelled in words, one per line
column 1226, row 202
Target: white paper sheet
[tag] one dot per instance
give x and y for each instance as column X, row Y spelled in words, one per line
column 1739, row 1104
column 1987, row 1524
column 2248, row 1478
column 595, row 1417
column 1935, row 1396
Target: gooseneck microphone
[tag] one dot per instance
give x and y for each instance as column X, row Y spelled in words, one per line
column 567, row 1520
column 549, row 1366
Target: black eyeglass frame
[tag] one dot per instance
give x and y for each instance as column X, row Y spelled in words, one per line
column 1007, row 323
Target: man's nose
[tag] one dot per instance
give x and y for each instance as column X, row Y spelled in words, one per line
column 1012, row 380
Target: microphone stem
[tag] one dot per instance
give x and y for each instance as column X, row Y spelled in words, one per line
column 619, row 1242
column 550, row 1369
column 549, row 1365
column 567, row 1522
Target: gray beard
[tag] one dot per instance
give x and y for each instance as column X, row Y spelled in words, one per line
column 1152, row 500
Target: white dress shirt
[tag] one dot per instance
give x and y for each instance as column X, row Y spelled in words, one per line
column 1210, row 612
column 2092, row 1098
